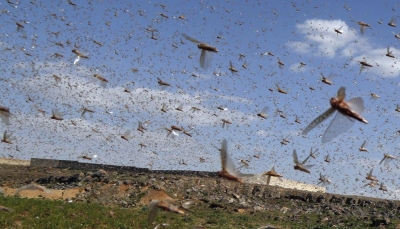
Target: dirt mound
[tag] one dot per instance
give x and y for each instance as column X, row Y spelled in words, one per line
column 156, row 195
column 131, row 189
column 11, row 161
column 50, row 194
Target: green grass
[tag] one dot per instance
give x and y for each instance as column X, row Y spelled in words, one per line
column 42, row 213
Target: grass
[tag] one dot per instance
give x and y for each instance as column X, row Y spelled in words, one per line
column 43, row 213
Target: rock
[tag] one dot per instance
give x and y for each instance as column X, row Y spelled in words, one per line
column 336, row 200
column 320, row 199
column 240, row 210
column 244, row 204
column 236, row 195
column 267, row 227
column 351, row 201
column 216, row 205
column 324, row 220
column 124, row 203
column 257, row 191
column 376, row 221
column 365, row 203
column 309, row 198
column 297, row 197
column 337, row 212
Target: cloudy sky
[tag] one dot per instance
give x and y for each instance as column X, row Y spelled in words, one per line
column 131, row 45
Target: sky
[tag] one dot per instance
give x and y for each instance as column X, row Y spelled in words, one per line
column 117, row 38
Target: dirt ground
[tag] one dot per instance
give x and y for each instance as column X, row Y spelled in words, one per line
column 16, row 173
column 11, row 161
column 132, row 189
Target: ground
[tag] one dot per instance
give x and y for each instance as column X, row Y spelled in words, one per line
column 211, row 197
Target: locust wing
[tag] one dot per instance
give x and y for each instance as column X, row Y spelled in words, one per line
column 318, row 120
column 191, row 39
column 295, row 158
column 226, row 162
column 341, row 95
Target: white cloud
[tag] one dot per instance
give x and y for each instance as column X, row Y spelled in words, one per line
column 320, row 35
column 320, row 39
column 76, row 90
column 38, row 135
column 382, row 65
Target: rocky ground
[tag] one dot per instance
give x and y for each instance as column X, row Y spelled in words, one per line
column 127, row 189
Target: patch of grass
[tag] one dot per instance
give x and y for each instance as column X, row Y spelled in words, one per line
column 43, row 213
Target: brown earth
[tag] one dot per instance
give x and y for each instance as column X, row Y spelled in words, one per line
column 128, row 189
column 11, row 161
column 15, row 173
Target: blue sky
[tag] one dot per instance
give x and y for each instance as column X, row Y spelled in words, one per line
column 303, row 32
